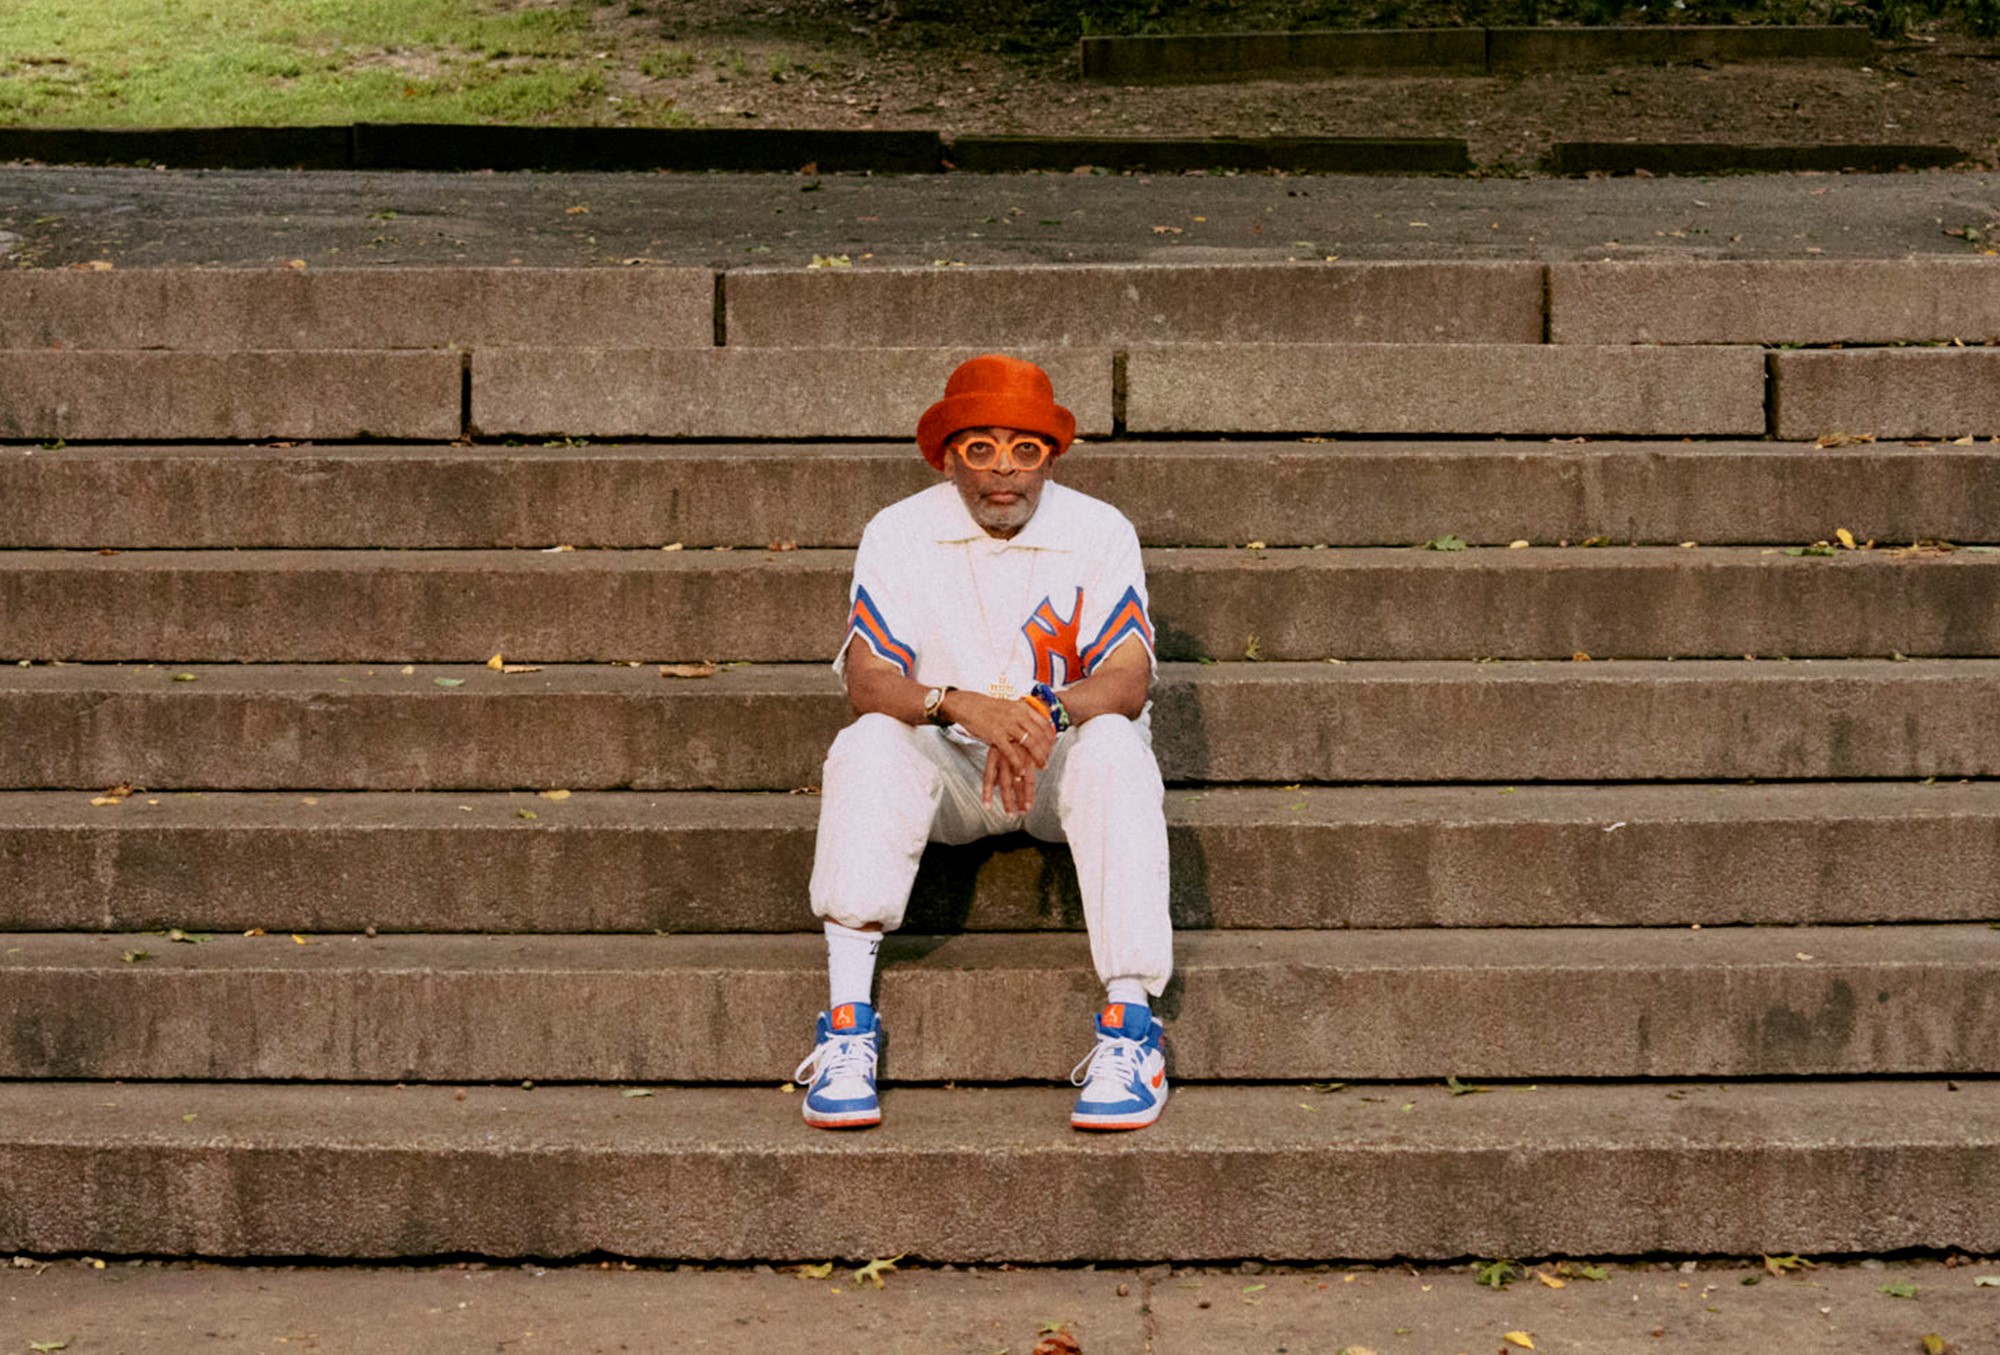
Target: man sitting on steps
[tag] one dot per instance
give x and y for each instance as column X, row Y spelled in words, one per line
column 998, row 655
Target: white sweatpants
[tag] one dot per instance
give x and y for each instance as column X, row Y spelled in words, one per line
column 889, row 788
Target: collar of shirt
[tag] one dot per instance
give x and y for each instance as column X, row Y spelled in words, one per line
column 952, row 523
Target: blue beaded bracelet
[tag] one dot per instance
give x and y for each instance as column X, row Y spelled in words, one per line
column 1058, row 715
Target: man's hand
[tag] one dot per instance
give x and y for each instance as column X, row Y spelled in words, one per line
column 1019, row 740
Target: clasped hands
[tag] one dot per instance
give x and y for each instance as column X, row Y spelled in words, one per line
column 1018, row 738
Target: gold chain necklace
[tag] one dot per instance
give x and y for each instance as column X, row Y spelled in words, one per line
column 1000, row 687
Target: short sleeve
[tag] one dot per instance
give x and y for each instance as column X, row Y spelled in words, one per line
column 1114, row 600
column 878, row 609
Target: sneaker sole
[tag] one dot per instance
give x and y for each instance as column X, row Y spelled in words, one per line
column 853, row 1119
column 1115, row 1122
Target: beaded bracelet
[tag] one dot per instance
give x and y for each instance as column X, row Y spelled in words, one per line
column 1058, row 715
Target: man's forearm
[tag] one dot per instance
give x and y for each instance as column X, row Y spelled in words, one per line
column 1108, row 692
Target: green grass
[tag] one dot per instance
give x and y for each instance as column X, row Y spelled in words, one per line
column 188, row 63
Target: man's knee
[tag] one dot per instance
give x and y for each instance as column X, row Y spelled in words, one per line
column 1112, row 751
column 875, row 742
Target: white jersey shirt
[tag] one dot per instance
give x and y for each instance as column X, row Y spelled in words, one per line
column 953, row 607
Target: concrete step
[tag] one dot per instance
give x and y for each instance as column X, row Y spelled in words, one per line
column 606, row 606
column 1244, row 857
column 1176, row 493
column 1248, row 1005
column 984, row 1175
column 256, row 727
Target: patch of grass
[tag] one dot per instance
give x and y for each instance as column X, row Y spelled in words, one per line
column 179, row 63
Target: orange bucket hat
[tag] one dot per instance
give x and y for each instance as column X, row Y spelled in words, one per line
column 995, row 391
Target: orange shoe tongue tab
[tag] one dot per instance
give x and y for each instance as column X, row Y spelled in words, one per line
column 843, row 1017
column 1114, row 1016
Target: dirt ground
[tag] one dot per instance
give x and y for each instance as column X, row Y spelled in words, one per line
column 878, row 64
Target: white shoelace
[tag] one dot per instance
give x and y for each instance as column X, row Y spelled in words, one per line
column 1115, row 1060
column 839, row 1056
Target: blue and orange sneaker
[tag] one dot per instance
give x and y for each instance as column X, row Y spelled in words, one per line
column 841, row 1094
column 1124, row 1079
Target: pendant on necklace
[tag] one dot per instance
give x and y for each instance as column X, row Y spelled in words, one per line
column 1003, row 690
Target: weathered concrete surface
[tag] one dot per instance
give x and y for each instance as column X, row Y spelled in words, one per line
column 1175, row 493
column 1236, row 56
column 581, row 1309
column 1445, row 388
column 1526, row 49
column 1894, row 393
column 1110, row 307
column 604, row 1308
column 1243, row 857
column 234, row 309
column 133, row 395
column 789, row 606
column 1774, row 301
column 143, row 217
column 256, row 727
column 1731, row 1002
column 746, row 394
column 1227, row 1173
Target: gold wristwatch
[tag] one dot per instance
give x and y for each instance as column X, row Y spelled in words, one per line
column 934, row 706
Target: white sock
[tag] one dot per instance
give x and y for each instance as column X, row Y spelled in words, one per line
column 1129, row 991
column 850, row 963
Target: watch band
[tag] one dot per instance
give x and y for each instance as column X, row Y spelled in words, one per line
column 934, row 706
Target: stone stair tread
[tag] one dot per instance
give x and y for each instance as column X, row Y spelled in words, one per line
column 1590, row 1002
column 1247, row 856
column 258, row 726
column 981, row 1174
column 1346, row 491
column 1355, row 602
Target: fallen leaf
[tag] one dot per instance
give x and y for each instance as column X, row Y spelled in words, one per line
column 1845, row 537
column 782, row 546
column 1519, row 1338
column 1498, row 1274
column 1254, row 545
column 1593, row 1272
column 1057, row 1342
column 1355, row 1350
column 1843, row 440
column 496, row 663
column 1933, row 1344
column 687, row 670
column 830, row 261
column 48, row 1345
column 96, row 266
column 407, row 669
column 134, row 956
column 300, row 940
column 873, row 1272
column 520, row 668
column 106, row 800
column 581, row 209
column 449, row 682
column 1464, row 1088
column 1518, row 545
column 1166, row 230
column 186, row 677
column 1986, row 1281
column 1450, row 543
column 1551, row 1281
column 553, row 794
column 1579, row 657
column 1779, row 1265
column 632, row 1093
column 524, row 814
column 673, row 545
column 1900, row 1289
column 188, row 938
column 255, row 931
column 295, row 263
